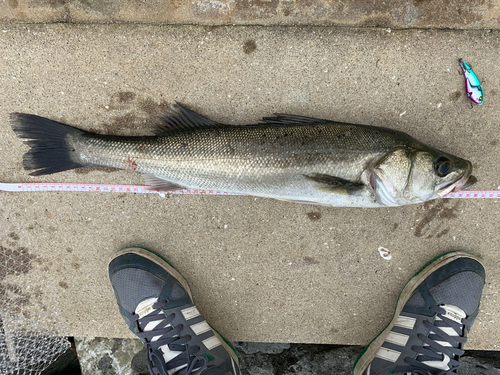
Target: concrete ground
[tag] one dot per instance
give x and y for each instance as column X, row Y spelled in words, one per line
column 260, row 270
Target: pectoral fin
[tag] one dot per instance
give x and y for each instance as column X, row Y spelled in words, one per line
column 335, row 185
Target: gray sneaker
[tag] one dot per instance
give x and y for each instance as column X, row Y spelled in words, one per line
column 434, row 313
column 155, row 301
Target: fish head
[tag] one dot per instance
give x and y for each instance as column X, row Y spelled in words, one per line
column 414, row 175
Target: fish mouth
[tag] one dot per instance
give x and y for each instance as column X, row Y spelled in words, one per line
column 467, row 184
column 462, row 182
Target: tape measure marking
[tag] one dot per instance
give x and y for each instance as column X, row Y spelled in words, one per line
column 104, row 188
column 141, row 189
column 475, row 194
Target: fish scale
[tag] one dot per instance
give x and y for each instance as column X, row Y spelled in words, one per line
column 230, row 157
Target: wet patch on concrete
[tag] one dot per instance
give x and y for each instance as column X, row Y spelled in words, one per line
column 443, row 232
column 314, row 216
column 310, row 261
column 454, row 96
column 14, row 261
column 125, row 97
column 13, row 4
column 442, row 209
column 249, row 46
column 14, row 236
column 141, row 117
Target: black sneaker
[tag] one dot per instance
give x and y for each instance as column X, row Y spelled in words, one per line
column 434, row 313
column 155, row 301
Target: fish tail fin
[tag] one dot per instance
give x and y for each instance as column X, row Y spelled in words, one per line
column 48, row 141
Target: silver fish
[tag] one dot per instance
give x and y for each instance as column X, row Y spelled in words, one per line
column 286, row 157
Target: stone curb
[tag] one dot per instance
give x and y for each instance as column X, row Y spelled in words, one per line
column 474, row 14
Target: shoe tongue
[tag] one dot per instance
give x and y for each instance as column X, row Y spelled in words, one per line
column 454, row 313
column 440, row 365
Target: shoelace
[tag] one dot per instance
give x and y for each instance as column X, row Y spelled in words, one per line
column 434, row 356
column 164, row 338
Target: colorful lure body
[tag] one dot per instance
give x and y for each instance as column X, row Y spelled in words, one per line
column 472, row 84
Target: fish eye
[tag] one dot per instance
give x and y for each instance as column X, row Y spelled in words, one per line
column 442, row 166
column 480, row 98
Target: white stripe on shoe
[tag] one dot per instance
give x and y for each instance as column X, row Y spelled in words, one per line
column 200, row 328
column 397, row 338
column 405, row 322
column 388, row 354
column 190, row 313
column 211, row 342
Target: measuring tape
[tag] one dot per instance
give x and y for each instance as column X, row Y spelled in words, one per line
column 104, row 188
column 110, row 188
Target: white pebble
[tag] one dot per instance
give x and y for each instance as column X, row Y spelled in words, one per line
column 385, row 253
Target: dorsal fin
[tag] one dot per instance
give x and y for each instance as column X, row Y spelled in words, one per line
column 178, row 117
column 283, row 119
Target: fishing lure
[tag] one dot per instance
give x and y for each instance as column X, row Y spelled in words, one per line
column 472, row 84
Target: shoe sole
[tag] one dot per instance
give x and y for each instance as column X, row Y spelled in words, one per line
column 162, row 262
column 368, row 354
